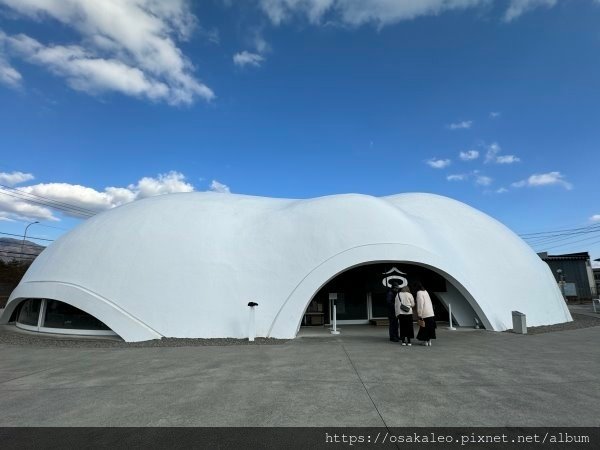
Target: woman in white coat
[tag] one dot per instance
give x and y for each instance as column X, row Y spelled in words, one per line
column 425, row 314
column 405, row 302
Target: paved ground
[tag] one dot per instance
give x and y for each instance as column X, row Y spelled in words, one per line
column 468, row 377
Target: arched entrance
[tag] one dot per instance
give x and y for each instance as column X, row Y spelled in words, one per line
column 458, row 292
column 360, row 295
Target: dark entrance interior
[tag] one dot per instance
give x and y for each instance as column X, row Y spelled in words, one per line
column 361, row 294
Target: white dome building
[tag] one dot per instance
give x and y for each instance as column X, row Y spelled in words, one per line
column 186, row 265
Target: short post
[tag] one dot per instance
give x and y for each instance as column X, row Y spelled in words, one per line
column 519, row 322
column 450, row 314
column 334, row 330
column 252, row 322
column 332, row 299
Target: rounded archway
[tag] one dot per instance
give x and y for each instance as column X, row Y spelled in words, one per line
column 299, row 300
column 360, row 292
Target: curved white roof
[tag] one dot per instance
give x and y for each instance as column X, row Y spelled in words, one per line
column 186, row 265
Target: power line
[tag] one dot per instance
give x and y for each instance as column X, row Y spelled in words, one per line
column 21, row 197
column 40, row 224
column 19, row 253
column 48, row 199
column 20, row 244
column 559, row 231
column 50, row 226
column 42, row 201
column 561, row 235
column 23, row 258
column 570, row 243
column 552, row 240
column 28, row 255
column 592, row 243
column 588, row 229
column 28, row 237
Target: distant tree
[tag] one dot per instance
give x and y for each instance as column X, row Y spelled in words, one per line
column 11, row 272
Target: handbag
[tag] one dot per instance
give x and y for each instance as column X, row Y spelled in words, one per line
column 403, row 307
column 421, row 323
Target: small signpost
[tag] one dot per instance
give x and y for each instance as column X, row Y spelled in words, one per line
column 332, row 299
column 252, row 322
column 450, row 316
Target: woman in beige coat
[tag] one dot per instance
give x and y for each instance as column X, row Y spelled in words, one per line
column 405, row 317
column 426, row 317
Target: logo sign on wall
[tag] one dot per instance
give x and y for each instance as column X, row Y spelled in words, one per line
column 394, row 274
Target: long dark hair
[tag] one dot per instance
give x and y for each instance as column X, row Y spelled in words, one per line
column 419, row 286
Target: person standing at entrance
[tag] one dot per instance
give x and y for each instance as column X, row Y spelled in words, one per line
column 426, row 317
column 391, row 306
column 405, row 302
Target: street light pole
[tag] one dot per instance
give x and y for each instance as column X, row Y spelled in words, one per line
column 25, row 237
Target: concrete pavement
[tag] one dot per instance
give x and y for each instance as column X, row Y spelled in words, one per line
column 468, row 377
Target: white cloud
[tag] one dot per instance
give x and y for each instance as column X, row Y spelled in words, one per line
column 246, row 58
column 438, row 163
column 492, row 152
column 544, row 179
column 168, row 183
column 502, row 190
column 520, row 7
column 463, row 125
column 495, row 114
column 469, row 155
column 595, row 218
column 507, row 159
column 382, row 12
column 478, row 178
column 261, row 45
column 9, row 75
column 483, row 180
column 12, row 208
column 88, row 198
column 215, row 186
column 14, row 178
column 354, row 12
column 492, row 155
column 457, row 177
column 126, row 46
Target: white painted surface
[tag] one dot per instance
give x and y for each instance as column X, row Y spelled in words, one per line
column 252, row 324
column 462, row 311
column 186, row 265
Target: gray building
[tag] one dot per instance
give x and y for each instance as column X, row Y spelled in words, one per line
column 597, row 279
column 575, row 271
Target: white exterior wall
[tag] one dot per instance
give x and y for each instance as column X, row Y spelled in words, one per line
column 463, row 313
column 186, row 265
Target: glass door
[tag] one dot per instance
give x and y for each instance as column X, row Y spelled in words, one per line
column 378, row 305
column 352, row 309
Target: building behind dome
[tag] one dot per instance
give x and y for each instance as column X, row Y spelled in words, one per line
column 186, row 265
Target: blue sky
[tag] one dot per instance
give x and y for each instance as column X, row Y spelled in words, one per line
column 300, row 99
